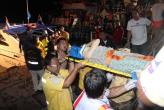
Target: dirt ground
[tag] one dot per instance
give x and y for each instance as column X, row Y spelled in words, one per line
column 16, row 92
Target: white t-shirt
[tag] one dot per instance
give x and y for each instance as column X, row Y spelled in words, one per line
column 85, row 103
column 138, row 30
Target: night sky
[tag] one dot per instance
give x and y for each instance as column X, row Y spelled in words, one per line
column 15, row 10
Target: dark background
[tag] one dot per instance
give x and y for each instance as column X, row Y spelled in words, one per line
column 15, row 10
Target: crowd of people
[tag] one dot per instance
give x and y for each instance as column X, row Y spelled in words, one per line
column 54, row 75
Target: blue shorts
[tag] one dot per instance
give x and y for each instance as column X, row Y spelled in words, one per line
column 75, row 52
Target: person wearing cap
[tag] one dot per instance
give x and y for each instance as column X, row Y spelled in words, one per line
column 150, row 83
